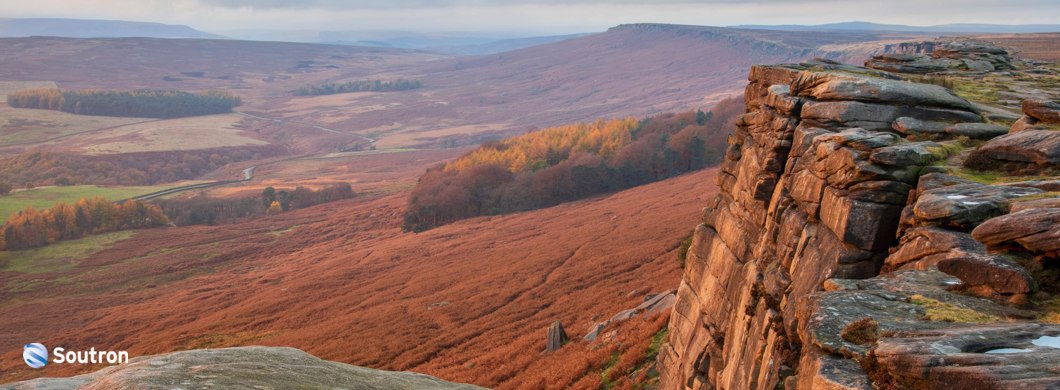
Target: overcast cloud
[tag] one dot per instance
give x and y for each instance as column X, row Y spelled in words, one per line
column 530, row 16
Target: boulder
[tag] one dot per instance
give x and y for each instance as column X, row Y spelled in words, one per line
column 556, row 337
column 933, row 57
column 846, row 87
column 916, row 153
column 907, row 63
column 923, row 242
column 897, row 302
column 995, row 272
column 973, row 55
column 657, row 303
column 860, row 139
column 622, row 316
column 1042, row 110
column 989, row 356
column 1046, row 203
column 1049, row 185
column 965, row 206
column 1029, row 148
column 594, row 331
column 875, row 116
column 933, row 180
column 1035, row 229
column 1026, row 123
column 977, row 130
column 907, row 125
column 239, row 368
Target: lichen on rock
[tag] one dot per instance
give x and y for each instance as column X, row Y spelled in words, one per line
column 839, row 243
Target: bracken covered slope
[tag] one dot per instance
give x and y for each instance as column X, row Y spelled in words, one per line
column 467, row 302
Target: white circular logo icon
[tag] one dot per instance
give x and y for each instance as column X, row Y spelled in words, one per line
column 35, row 355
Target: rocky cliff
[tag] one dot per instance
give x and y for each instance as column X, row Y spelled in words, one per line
column 857, row 243
column 239, row 368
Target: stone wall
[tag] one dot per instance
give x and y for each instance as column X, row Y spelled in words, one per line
column 818, row 186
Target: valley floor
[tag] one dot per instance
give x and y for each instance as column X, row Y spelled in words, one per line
column 467, row 302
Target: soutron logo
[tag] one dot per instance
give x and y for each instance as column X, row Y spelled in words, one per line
column 36, row 356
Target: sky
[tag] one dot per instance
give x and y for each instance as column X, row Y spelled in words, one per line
column 529, row 16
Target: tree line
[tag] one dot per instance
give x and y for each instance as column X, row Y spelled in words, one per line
column 203, row 210
column 555, row 165
column 33, row 228
column 143, row 103
column 358, row 86
column 40, row 167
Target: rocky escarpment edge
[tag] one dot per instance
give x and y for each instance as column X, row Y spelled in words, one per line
column 835, row 175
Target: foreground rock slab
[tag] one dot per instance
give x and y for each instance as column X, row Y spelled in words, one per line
column 1005, row 356
column 242, row 368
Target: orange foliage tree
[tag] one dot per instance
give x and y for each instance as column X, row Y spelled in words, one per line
column 560, row 164
column 31, row 228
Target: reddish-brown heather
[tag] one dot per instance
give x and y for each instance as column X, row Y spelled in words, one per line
column 467, row 302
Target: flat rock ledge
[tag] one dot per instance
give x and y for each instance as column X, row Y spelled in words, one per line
column 239, row 368
column 907, row 331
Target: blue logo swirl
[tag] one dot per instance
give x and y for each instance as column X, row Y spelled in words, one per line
column 35, row 355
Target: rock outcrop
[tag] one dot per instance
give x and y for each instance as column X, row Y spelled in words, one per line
column 940, row 56
column 556, row 337
column 653, row 303
column 238, row 368
column 828, row 182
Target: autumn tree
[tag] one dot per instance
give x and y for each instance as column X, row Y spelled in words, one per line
column 274, row 208
column 31, row 228
column 560, row 164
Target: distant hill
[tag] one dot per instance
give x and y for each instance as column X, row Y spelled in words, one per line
column 90, row 28
column 635, row 69
column 448, row 43
column 960, row 28
column 502, row 45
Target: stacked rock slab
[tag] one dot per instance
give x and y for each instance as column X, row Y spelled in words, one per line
column 816, row 184
column 961, row 55
column 1031, row 145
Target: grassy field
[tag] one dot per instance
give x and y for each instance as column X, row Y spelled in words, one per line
column 24, row 125
column 45, row 197
column 59, row 256
column 200, row 132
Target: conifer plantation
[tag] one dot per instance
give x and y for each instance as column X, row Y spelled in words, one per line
column 143, row 103
column 359, row 86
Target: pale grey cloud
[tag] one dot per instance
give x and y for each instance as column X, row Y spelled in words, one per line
column 403, row 4
column 530, row 16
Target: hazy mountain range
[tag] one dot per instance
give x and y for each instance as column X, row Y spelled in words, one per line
column 460, row 43
column 88, row 28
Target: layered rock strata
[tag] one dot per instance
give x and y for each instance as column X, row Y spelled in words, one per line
column 961, row 55
column 828, row 180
